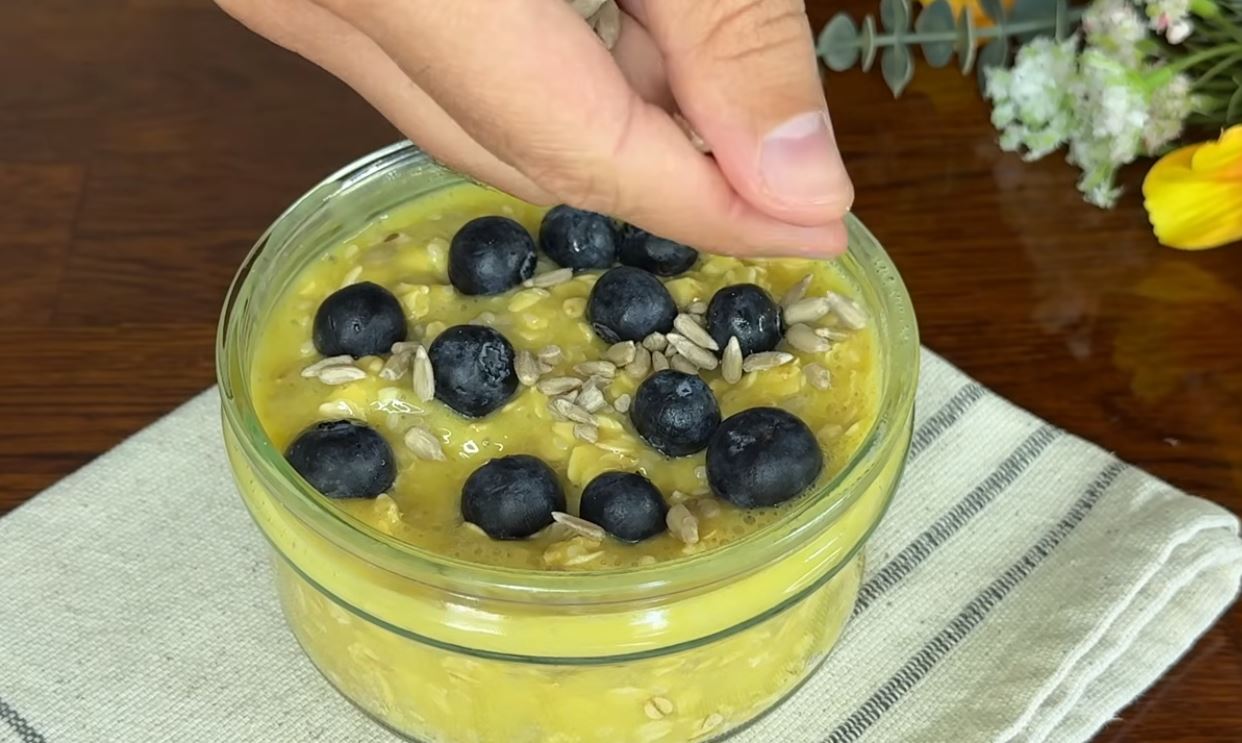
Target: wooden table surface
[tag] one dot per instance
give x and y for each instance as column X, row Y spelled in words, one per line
column 144, row 145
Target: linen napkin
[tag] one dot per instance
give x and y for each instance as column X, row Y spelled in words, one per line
column 1025, row 586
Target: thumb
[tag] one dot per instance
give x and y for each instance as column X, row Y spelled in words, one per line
column 745, row 75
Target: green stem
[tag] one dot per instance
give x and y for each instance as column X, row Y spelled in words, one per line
column 1216, row 69
column 1186, row 63
column 1073, row 15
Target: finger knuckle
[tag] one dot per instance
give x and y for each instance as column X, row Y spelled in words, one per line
column 738, row 29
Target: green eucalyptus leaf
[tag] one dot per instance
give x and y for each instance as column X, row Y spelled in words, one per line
column 1042, row 12
column 994, row 54
column 936, row 18
column 897, row 67
column 993, row 9
column 895, row 15
column 838, row 43
column 966, row 39
column 867, row 43
column 1061, row 25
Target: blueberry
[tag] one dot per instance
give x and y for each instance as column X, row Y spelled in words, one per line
column 473, row 368
column 490, row 255
column 748, row 312
column 628, row 506
column 658, row 255
column 360, row 320
column 511, row 497
column 629, row 304
column 762, row 457
column 675, row 412
column 578, row 239
column 343, row 459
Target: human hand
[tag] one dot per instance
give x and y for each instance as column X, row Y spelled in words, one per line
column 522, row 95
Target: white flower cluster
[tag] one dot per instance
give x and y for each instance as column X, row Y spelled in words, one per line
column 1171, row 18
column 1105, row 103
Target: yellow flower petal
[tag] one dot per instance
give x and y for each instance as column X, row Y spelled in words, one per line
column 1193, row 195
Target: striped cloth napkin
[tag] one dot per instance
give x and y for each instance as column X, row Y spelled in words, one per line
column 1025, row 586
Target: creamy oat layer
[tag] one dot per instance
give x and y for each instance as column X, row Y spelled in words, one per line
column 404, row 445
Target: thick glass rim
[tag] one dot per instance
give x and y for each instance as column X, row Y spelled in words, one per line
column 890, row 309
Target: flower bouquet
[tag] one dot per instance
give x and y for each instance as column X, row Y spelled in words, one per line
column 1109, row 82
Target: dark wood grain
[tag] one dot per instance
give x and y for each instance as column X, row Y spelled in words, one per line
column 145, row 144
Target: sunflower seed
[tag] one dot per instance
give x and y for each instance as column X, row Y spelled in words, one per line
column 682, row 524
column 579, row 525
column 424, row 377
column 693, row 353
column 731, row 365
column 832, row 334
column 851, row 314
column 655, row 342
column 682, row 364
column 766, row 360
column 622, row 403
column 586, row 432
column 340, row 374
column 657, row 708
column 396, row 366
column 695, row 140
column 404, row 347
column 700, row 472
column 621, row 353
column 707, row 508
column 586, row 8
column 638, row 368
column 807, row 310
column 690, row 328
column 591, row 399
column 796, row 292
column 697, row 308
column 818, row 376
column 558, row 385
column 551, row 278
column 803, row 338
column 551, row 355
column 659, row 362
column 678, row 497
column 314, row 369
column 424, row 444
column 570, row 411
column 337, row 409
column 605, row 369
column 527, row 368
column 351, row 277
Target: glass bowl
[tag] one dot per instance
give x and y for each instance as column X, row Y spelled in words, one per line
column 442, row 650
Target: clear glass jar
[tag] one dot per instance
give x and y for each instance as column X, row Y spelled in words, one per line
column 442, row 650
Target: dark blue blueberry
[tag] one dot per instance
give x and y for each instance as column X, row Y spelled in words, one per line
column 629, row 304
column 674, row 412
column 511, row 497
column 762, row 457
column 343, row 459
column 360, row 320
column 747, row 311
column 658, row 255
column 473, row 367
column 627, row 505
column 490, row 255
column 578, row 239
